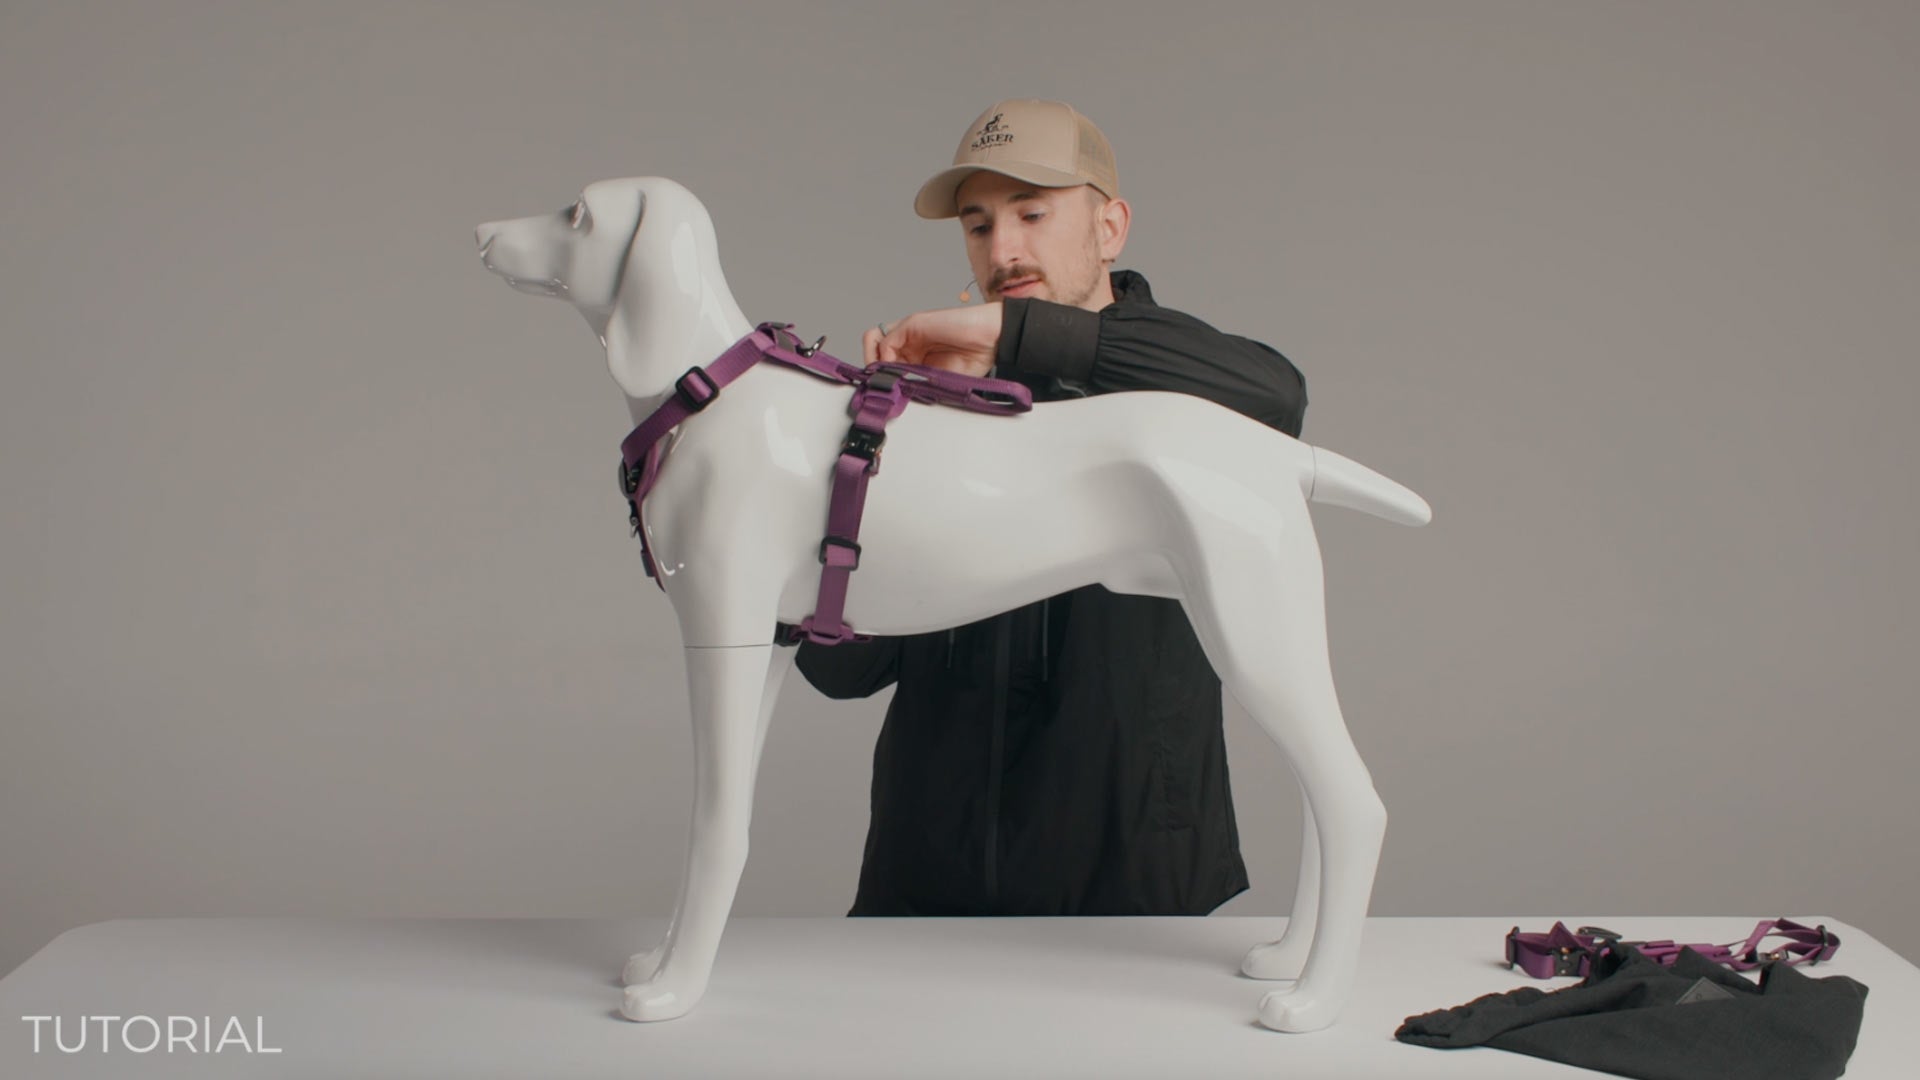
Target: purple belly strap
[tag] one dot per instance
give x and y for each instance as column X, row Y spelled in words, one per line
column 880, row 393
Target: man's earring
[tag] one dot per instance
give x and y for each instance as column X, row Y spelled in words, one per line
column 966, row 294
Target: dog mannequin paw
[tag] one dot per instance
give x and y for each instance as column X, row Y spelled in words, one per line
column 1296, row 1012
column 641, row 966
column 648, row 1002
column 1282, row 959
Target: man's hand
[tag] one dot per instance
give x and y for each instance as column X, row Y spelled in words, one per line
column 962, row 339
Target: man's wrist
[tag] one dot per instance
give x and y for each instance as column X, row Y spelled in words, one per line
column 1044, row 338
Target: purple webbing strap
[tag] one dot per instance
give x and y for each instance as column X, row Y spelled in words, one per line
column 1560, row 951
column 642, row 449
column 879, row 399
column 696, row 389
column 881, row 393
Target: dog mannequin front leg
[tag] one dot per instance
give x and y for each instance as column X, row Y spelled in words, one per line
column 641, row 966
column 726, row 686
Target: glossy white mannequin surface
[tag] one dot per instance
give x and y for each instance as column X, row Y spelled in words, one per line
column 969, row 515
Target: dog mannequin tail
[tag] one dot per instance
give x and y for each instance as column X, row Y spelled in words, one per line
column 1344, row 482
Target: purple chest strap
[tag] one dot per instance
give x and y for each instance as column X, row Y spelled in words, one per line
column 880, row 394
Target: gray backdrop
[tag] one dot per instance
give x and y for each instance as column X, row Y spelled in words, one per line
column 319, row 598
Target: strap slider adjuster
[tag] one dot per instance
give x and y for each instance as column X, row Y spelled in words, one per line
column 696, row 397
column 843, row 543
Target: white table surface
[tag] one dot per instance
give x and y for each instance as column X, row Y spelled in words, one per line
column 810, row 997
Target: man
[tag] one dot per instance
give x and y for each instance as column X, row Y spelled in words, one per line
column 1065, row 758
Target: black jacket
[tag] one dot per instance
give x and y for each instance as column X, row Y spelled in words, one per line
column 1065, row 758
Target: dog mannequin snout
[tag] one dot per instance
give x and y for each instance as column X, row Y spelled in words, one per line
column 485, row 235
column 507, row 249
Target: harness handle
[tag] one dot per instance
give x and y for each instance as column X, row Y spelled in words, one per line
column 935, row 386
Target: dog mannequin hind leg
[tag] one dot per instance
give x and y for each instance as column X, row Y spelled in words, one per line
column 641, row 966
column 1283, row 959
column 1252, row 584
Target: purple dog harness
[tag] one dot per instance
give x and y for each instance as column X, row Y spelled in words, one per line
column 1560, row 951
column 880, row 393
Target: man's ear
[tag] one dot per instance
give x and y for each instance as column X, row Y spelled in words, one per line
column 1115, row 217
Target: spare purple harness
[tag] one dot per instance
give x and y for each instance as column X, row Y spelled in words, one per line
column 1560, row 951
column 881, row 393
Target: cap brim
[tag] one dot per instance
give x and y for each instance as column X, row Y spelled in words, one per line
column 938, row 196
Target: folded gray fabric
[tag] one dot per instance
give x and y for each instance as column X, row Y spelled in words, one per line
column 1695, row 1020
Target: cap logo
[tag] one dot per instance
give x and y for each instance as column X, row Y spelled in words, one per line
column 991, row 134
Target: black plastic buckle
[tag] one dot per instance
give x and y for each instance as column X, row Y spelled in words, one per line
column 629, row 479
column 840, row 541
column 685, row 395
column 1568, row 960
column 862, row 443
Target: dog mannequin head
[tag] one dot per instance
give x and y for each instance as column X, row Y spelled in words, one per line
column 637, row 258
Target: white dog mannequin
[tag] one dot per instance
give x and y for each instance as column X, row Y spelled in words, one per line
column 1154, row 493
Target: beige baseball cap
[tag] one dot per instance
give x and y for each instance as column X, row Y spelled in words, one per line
column 1042, row 142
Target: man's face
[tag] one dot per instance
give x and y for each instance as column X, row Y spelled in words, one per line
column 1028, row 241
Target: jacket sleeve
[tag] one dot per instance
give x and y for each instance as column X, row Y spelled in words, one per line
column 851, row 669
column 1148, row 347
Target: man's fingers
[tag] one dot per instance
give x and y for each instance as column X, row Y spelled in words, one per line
column 899, row 344
column 959, row 340
column 904, row 342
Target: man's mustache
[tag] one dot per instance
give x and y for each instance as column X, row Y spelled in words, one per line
column 1001, row 277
